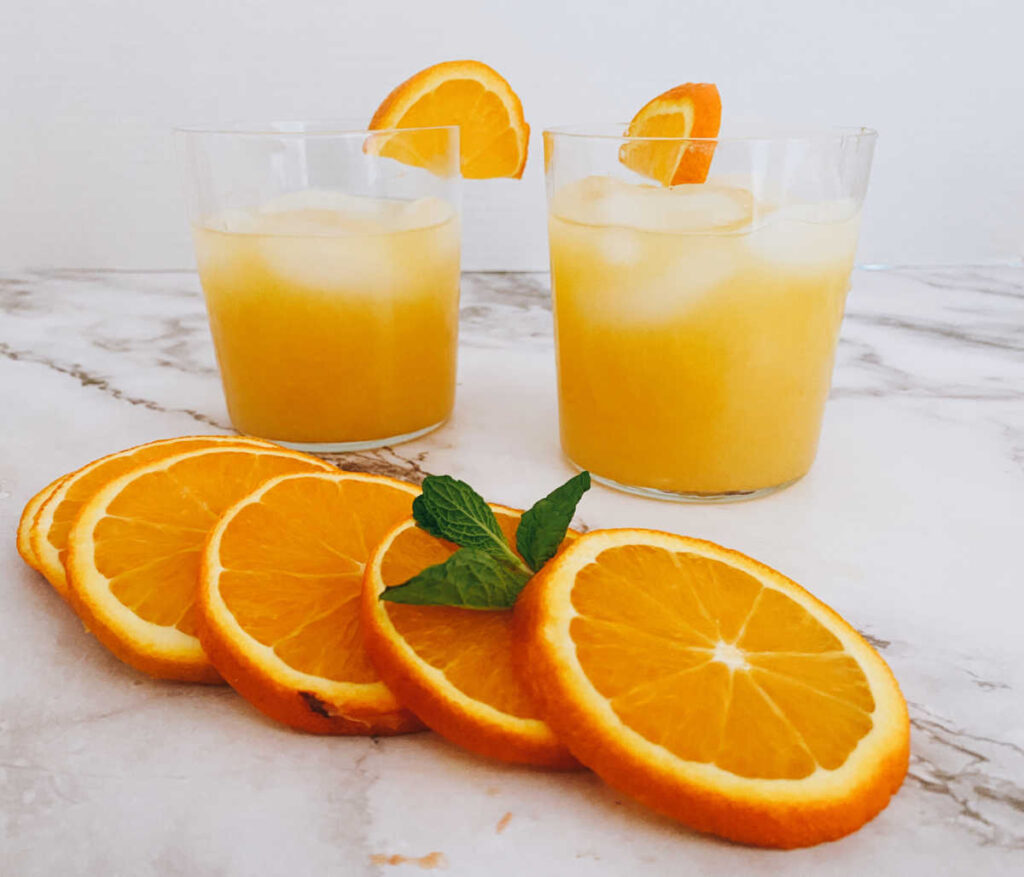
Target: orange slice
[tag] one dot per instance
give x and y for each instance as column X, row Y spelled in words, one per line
column 690, row 110
column 28, row 515
column 493, row 135
column 134, row 550
column 48, row 536
column 451, row 666
column 711, row 688
column 279, row 600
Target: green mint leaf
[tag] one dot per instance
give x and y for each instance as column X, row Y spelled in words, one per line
column 542, row 528
column 458, row 513
column 425, row 520
column 452, row 510
column 471, row 579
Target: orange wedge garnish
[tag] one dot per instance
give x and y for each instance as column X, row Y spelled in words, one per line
column 690, row 110
column 711, row 688
column 453, row 666
column 493, row 134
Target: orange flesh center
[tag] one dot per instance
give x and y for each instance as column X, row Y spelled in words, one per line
column 703, row 659
column 472, row 648
column 292, row 580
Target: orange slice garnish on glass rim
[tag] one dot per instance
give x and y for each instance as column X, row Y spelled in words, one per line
column 493, row 135
column 690, row 110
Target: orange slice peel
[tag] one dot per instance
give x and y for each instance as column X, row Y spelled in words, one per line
column 28, row 516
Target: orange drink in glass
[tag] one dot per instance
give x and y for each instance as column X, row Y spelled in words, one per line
column 696, row 324
column 331, row 277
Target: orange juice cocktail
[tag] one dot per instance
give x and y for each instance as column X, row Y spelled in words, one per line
column 696, row 330
column 335, row 315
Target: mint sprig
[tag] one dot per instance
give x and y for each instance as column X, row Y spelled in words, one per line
column 485, row 573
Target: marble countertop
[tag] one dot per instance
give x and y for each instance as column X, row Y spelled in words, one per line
column 910, row 525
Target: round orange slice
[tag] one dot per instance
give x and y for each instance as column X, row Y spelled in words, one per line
column 279, row 600
column 134, row 550
column 711, row 688
column 28, row 515
column 51, row 523
column 493, row 135
column 452, row 666
column 693, row 110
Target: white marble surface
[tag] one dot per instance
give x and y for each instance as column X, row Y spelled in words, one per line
column 910, row 524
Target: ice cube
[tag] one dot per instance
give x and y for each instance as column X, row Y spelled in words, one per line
column 328, row 212
column 363, row 246
column 330, row 200
column 809, row 235
column 333, row 241
column 684, row 209
column 356, row 266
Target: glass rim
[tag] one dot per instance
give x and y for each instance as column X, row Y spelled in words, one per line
column 300, row 128
column 813, row 134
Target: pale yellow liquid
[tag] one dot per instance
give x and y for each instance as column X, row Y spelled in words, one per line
column 330, row 329
column 697, row 362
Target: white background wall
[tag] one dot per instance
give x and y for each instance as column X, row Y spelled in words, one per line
column 90, row 88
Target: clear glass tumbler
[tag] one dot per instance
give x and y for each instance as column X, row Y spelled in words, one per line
column 696, row 324
column 331, row 277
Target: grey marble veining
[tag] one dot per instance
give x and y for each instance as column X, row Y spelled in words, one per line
column 909, row 524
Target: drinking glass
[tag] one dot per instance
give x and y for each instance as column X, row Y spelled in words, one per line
column 331, row 276
column 696, row 324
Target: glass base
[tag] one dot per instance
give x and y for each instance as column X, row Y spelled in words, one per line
column 684, row 496
column 343, row 447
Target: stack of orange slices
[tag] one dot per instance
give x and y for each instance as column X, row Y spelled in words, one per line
column 703, row 683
